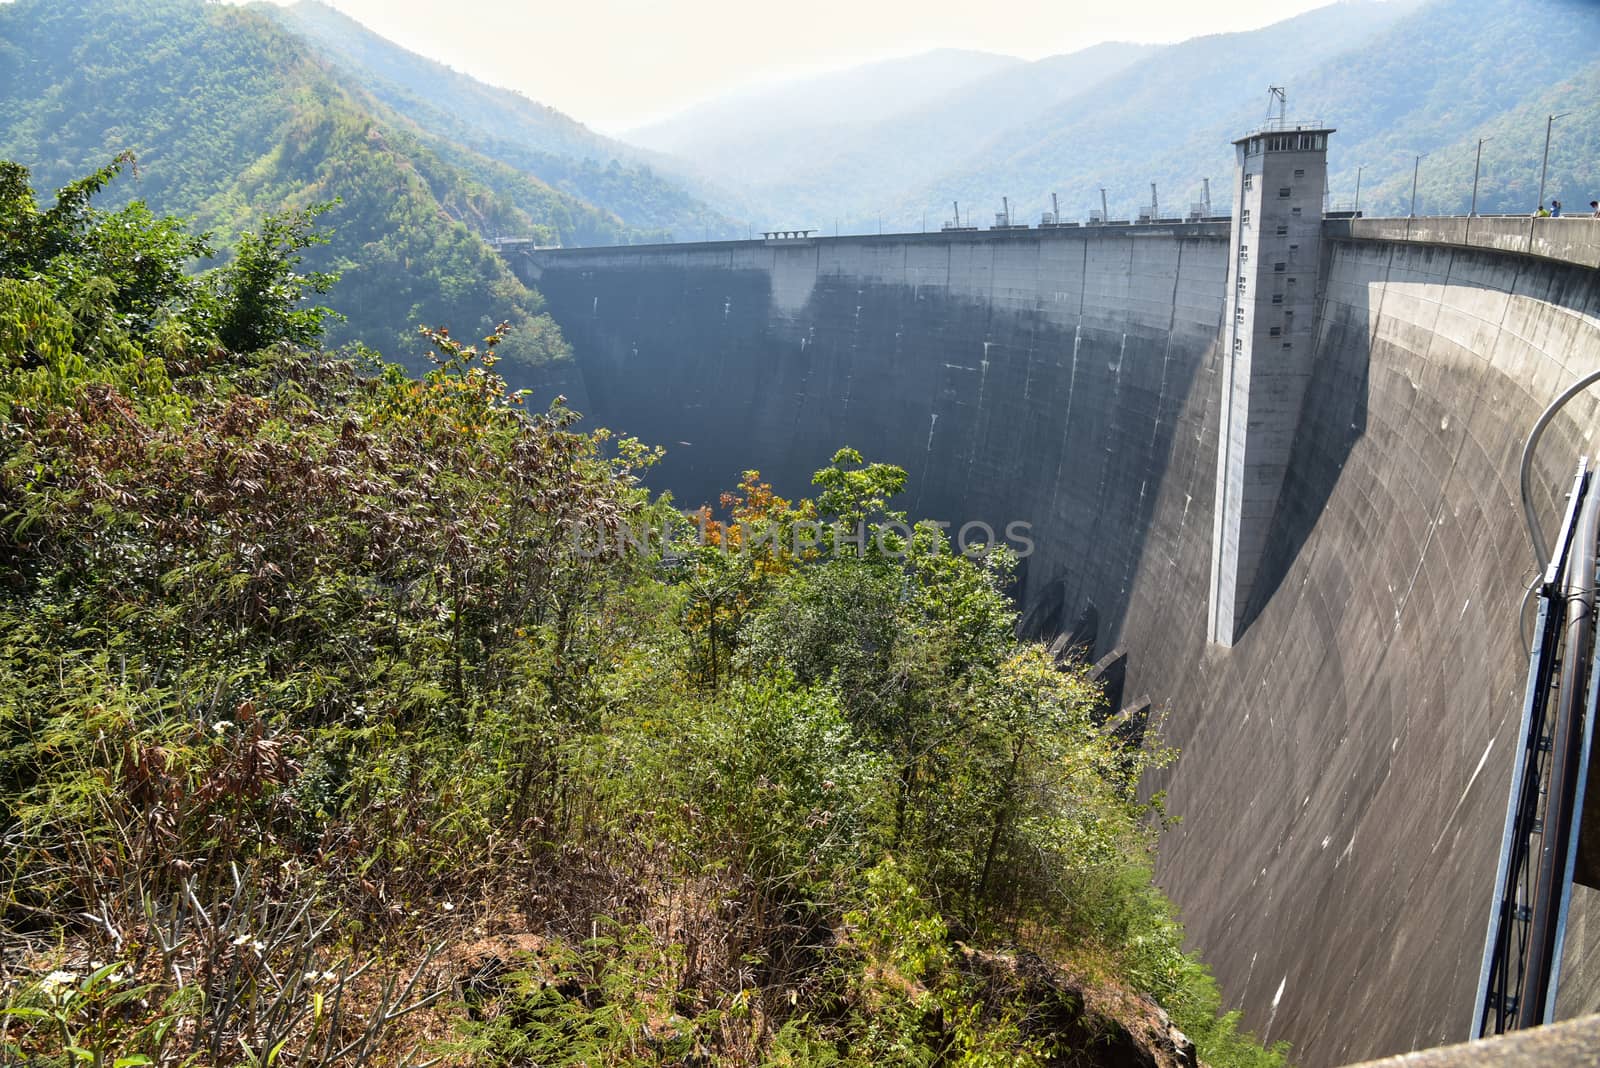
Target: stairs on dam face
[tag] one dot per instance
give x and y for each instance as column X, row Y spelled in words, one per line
column 1541, row 844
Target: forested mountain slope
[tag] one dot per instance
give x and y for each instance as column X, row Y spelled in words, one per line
column 231, row 117
column 1431, row 82
column 505, row 126
column 1455, row 71
column 1115, row 115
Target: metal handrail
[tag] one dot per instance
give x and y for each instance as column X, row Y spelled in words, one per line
column 1544, row 951
column 1541, row 552
column 1289, row 126
column 1523, row 946
column 1575, row 217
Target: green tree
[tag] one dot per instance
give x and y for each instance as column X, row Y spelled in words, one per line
column 259, row 296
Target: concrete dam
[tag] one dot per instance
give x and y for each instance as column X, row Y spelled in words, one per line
column 1347, row 748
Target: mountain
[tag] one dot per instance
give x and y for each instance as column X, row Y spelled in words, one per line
column 1397, row 79
column 1430, row 80
column 505, row 126
column 1118, row 115
column 1168, row 118
column 1455, row 71
column 876, row 163
column 746, row 140
column 231, row 117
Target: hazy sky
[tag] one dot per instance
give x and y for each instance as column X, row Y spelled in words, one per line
column 617, row 63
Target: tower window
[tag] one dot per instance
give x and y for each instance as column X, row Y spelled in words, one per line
column 1280, row 267
column 1242, row 281
column 1288, row 344
column 1283, row 231
column 1276, row 331
column 1244, row 215
column 1293, row 281
column 1238, row 315
column 1249, row 181
column 1244, row 253
column 1294, row 211
column 1285, row 192
column 1238, row 345
column 1299, row 172
column 1293, row 249
column 1277, row 298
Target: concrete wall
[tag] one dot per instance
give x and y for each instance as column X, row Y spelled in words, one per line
column 1034, row 377
column 1345, row 766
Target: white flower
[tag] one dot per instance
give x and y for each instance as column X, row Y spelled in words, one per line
column 59, row 987
column 56, row 980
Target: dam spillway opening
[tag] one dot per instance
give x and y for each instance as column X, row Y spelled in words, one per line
column 1345, row 763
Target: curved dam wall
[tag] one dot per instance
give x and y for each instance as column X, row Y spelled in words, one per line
column 1345, row 765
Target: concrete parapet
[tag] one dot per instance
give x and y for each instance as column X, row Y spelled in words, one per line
column 1161, row 229
column 1573, row 1043
column 1570, row 240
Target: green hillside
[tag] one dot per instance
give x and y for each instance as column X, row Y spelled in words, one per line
column 505, row 126
column 1449, row 73
column 230, row 117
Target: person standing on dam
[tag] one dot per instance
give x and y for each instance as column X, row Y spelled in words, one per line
column 1555, row 209
column 1542, row 213
column 1594, row 206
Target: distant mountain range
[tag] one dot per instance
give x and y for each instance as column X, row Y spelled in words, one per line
column 1397, row 78
column 758, row 139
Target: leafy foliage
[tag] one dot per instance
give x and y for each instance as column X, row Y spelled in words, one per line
column 345, row 719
